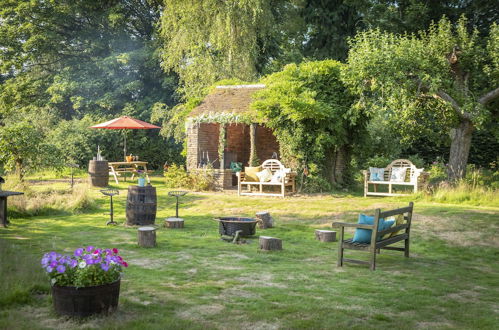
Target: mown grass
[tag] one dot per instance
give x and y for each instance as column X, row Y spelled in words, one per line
column 192, row 279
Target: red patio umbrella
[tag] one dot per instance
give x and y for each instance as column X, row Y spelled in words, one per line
column 125, row 122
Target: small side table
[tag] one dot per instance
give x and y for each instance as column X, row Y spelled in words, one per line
column 3, row 205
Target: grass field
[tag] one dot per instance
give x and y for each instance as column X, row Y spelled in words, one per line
column 192, row 279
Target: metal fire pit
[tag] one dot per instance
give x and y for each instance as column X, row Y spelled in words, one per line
column 229, row 226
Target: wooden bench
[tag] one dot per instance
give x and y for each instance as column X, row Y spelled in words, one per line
column 412, row 177
column 375, row 245
column 273, row 165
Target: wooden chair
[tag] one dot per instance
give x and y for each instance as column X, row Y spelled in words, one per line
column 375, row 245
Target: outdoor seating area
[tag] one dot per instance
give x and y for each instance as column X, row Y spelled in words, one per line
column 259, row 165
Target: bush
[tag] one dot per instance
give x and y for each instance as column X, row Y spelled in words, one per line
column 198, row 180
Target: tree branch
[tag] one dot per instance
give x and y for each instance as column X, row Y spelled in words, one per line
column 488, row 97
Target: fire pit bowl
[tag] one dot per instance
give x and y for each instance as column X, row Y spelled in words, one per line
column 229, row 226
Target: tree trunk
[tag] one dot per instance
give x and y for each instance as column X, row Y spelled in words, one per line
column 336, row 165
column 253, row 160
column 460, row 149
column 20, row 169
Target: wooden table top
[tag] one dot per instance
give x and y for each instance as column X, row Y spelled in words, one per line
column 6, row 193
column 138, row 162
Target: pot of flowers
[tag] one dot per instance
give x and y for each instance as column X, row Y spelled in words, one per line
column 142, row 178
column 85, row 283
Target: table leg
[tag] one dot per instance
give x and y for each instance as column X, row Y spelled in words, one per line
column 147, row 175
column 113, row 172
column 3, row 212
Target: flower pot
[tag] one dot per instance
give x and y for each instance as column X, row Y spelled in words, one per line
column 83, row 302
column 142, row 182
column 129, row 158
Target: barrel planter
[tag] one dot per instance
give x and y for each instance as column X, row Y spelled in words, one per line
column 88, row 301
column 99, row 173
column 141, row 205
column 229, row 226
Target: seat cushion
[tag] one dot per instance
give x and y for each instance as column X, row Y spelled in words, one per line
column 399, row 220
column 265, row 175
column 250, row 173
column 398, row 174
column 364, row 235
column 376, row 174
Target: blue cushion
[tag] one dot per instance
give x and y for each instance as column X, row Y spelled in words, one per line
column 364, row 235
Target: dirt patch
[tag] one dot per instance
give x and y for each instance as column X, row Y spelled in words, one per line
column 199, row 312
column 445, row 229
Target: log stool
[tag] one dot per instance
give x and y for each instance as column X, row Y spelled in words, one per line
column 147, row 236
column 264, row 220
column 173, row 223
column 270, row 243
column 325, row 235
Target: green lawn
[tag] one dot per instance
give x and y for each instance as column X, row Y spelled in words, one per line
column 192, row 279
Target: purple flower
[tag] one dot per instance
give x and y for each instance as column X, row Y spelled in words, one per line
column 45, row 261
column 73, row 263
column 89, row 248
column 90, row 261
column 53, row 264
column 61, row 269
column 97, row 251
column 105, row 267
column 78, row 252
column 49, row 269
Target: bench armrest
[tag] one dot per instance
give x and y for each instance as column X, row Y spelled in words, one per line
column 352, row 225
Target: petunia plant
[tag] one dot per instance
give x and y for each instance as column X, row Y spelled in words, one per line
column 88, row 266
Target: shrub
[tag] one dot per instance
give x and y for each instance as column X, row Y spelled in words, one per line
column 178, row 177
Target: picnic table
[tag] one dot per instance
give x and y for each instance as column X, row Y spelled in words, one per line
column 117, row 168
column 3, row 205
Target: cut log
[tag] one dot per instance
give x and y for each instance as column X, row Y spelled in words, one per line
column 173, row 223
column 264, row 220
column 147, row 236
column 270, row 243
column 325, row 235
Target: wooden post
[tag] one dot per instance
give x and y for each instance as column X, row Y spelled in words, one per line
column 253, row 159
column 147, row 236
column 173, row 223
column 325, row 235
column 270, row 243
column 339, row 262
column 265, row 220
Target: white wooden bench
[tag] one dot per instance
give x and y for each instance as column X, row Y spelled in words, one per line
column 273, row 165
column 411, row 179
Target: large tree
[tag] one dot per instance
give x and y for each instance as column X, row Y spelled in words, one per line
column 447, row 74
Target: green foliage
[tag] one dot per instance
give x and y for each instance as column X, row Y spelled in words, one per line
column 408, row 81
column 22, row 146
column 198, row 180
column 205, row 41
column 308, row 108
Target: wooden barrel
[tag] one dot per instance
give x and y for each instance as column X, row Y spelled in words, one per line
column 99, row 173
column 141, row 205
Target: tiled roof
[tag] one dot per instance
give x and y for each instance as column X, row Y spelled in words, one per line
column 229, row 99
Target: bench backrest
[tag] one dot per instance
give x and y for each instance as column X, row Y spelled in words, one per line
column 273, row 165
column 412, row 172
column 405, row 211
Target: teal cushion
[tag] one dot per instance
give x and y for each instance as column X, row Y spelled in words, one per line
column 364, row 235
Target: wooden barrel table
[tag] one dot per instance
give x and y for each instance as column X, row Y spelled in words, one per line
column 99, row 173
column 141, row 205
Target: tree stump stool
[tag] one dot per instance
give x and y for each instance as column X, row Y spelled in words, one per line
column 173, row 223
column 325, row 235
column 264, row 220
column 147, row 236
column 270, row 243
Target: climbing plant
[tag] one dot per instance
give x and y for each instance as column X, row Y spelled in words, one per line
column 309, row 110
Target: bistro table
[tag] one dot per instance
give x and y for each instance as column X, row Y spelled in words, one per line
column 116, row 168
column 3, row 205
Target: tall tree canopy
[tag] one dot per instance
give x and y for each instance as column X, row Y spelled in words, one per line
column 448, row 74
column 206, row 41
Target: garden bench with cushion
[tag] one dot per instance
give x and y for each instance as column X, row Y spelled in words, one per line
column 400, row 172
column 379, row 237
column 279, row 177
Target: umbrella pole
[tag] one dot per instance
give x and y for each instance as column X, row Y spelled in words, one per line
column 124, row 145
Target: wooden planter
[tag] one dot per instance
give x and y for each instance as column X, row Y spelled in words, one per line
column 83, row 302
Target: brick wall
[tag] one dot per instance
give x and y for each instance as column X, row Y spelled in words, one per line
column 204, row 138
